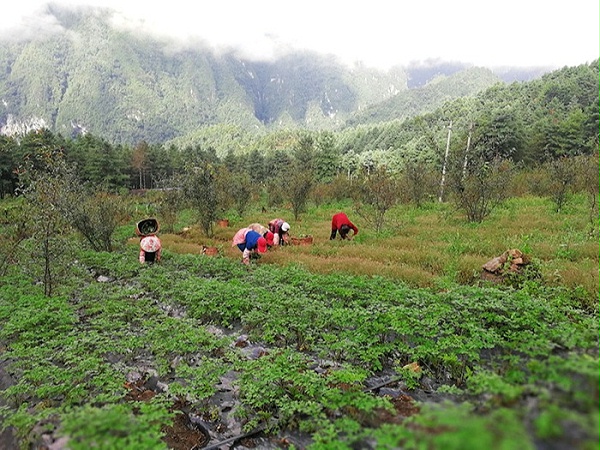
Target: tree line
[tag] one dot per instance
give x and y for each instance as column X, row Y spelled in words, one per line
column 76, row 184
column 527, row 123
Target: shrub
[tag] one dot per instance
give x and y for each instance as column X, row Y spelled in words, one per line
column 481, row 188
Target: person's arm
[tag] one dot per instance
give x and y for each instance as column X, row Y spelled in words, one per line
column 142, row 256
column 275, row 238
column 353, row 228
column 246, row 256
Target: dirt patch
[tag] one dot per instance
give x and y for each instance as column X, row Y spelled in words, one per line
column 183, row 434
column 8, row 440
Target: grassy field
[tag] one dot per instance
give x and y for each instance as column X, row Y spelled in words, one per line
column 422, row 247
column 387, row 341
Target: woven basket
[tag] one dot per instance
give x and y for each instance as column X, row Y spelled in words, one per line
column 147, row 227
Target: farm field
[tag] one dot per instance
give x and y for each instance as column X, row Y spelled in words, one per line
column 387, row 341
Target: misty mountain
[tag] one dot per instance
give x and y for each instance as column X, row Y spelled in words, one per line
column 426, row 98
column 127, row 88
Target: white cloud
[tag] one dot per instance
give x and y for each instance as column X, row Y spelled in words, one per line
column 378, row 32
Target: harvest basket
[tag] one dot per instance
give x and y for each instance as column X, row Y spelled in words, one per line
column 210, row 251
column 147, row 227
column 301, row 240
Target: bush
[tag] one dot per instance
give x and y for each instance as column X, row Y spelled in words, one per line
column 482, row 187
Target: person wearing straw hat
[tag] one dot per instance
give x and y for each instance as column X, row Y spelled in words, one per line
column 150, row 245
column 150, row 249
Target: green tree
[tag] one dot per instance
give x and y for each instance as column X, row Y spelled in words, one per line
column 169, row 205
column 241, row 191
column 94, row 214
column 563, row 175
column 499, row 134
column 375, row 196
column 140, row 163
column 327, row 158
column 199, row 184
column 417, row 183
column 592, row 124
column 481, row 186
column 300, row 175
column 45, row 183
column 589, row 179
column 298, row 186
column 98, row 162
column 9, row 161
column 13, row 231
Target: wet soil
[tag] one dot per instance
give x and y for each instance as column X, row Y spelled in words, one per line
column 183, row 434
column 8, row 441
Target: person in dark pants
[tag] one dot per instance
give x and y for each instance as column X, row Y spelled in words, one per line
column 150, row 249
column 249, row 242
column 264, row 232
column 281, row 231
column 341, row 224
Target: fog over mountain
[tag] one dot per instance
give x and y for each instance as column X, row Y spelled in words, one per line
column 83, row 68
column 380, row 34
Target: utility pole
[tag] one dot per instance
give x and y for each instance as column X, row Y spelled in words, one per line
column 443, row 180
column 464, row 172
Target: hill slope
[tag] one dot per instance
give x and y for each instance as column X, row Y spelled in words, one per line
column 127, row 88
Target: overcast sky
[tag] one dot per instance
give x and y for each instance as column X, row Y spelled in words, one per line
column 380, row 33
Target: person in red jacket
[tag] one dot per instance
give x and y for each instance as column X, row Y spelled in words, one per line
column 340, row 223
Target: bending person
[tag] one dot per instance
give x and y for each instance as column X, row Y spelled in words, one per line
column 280, row 229
column 341, row 224
column 250, row 243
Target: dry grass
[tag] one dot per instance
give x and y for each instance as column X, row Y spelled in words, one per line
column 421, row 246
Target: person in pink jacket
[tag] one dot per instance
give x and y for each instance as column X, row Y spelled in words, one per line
column 249, row 242
column 280, row 229
column 150, row 248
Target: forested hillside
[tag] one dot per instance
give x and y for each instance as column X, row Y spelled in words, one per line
column 421, row 100
column 529, row 122
column 127, row 88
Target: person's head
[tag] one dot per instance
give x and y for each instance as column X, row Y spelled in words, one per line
column 261, row 246
column 269, row 237
column 344, row 230
column 285, row 227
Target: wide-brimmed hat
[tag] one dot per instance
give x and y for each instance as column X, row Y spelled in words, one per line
column 150, row 244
